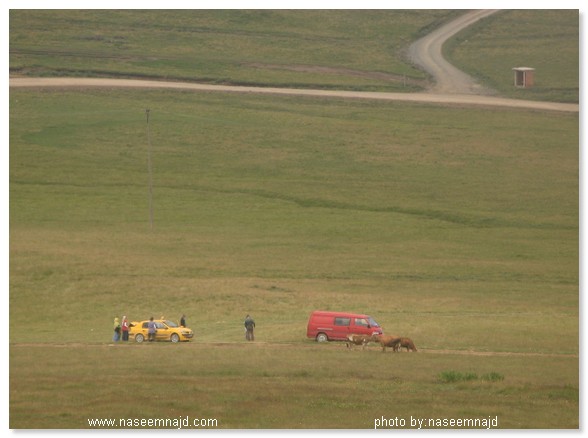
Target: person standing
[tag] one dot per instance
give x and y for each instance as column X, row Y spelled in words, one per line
column 125, row 329
column 249, row 327
column 151, row 329
column 183, row 321
column 116, row 335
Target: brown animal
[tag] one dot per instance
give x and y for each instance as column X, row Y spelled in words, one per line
column 362, row 340
column 387, row 341
column 406, row 343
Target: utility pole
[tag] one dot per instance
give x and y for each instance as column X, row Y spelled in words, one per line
column 150, row 171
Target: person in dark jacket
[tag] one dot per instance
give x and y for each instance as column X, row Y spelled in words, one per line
column 249, row 326
column 151, row 330
column 183, row 321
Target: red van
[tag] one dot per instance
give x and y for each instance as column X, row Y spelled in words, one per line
column 335, row 326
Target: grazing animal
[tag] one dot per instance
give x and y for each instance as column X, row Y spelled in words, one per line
column 362, row 340
column 387, row 341
column 406, row 343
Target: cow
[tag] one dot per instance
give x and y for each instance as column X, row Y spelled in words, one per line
column 406, row 343
column 387, row 341
column 362, row 340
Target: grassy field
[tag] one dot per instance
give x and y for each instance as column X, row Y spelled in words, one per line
column 456, row 227
column 283, row 386
column 346, row 49
column 295, row 48
column 547, row 40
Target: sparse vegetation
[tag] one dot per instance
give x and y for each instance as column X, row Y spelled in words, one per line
column 458, row 376
column 493, row 377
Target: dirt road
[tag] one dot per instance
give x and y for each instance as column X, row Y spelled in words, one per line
column 436, row 98
column 426, row 53
column 453, row 87
column 290, row 346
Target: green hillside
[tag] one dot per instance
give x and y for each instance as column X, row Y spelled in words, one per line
column 457, row 227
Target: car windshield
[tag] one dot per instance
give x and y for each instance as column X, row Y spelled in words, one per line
column 373, row 323
column 170, row 323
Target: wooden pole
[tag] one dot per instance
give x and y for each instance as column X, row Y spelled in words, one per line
column 149, row 169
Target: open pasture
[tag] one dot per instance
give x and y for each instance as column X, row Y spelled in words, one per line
column 547, row 40
column 456, row 227
column 260, row 385
column 291, row 48
column 345, row 49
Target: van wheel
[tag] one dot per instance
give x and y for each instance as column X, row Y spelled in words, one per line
column 321, row 337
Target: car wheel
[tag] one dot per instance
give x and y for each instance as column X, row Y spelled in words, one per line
column 139, row 338
column 175, row 338
column 321, row 337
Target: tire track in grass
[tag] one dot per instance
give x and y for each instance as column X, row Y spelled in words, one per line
column 278, row 345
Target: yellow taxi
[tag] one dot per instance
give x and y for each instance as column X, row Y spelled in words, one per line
column 166, row 330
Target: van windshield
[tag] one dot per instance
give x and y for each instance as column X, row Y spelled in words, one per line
column 373, row 323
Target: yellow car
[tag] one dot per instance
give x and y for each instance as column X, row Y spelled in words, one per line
column 166, row 331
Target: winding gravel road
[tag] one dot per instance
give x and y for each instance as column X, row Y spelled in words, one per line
column 427, row 54
column 453, row 87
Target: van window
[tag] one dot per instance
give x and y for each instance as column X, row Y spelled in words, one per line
column 361, row 321
column 342, row 321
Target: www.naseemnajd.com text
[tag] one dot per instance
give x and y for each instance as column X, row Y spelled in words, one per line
column 435, row 423
column 175, row 423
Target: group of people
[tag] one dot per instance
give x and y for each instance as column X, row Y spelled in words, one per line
column 122, row 329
